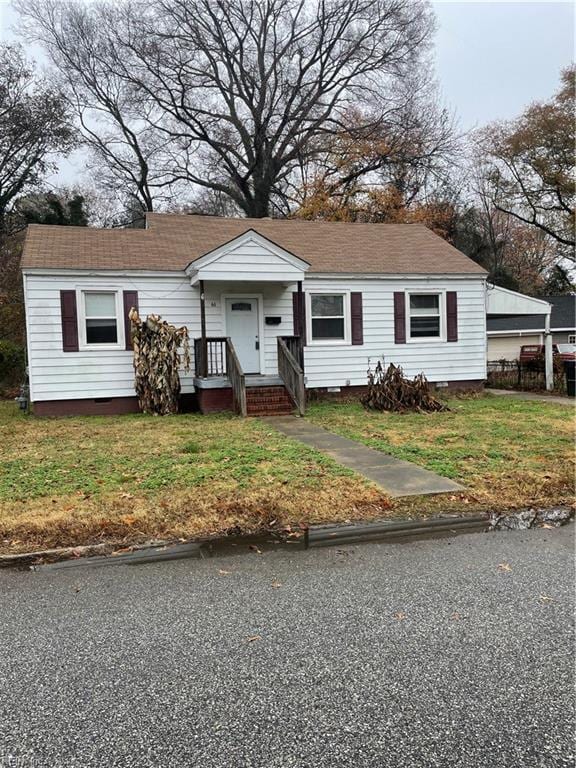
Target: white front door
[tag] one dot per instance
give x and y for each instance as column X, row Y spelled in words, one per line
column 242, row 327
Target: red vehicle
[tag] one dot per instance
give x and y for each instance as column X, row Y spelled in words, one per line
column 534, row 354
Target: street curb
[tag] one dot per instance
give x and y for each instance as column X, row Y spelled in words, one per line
column 326, row 536
column 108, row 554
column 315, row 536
column 71, row 553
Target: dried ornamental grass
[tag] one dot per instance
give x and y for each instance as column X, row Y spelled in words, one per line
column 389, row 390
column 157, row 360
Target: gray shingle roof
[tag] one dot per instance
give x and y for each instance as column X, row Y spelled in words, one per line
column 563, row 316
column 171, row 242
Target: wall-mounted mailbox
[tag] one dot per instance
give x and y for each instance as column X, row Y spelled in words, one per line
column 273, row 320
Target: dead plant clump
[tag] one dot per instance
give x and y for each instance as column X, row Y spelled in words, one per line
column 390, row 390
column 157, row 361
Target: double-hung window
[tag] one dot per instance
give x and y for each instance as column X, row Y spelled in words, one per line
column 328, row 317
column 101, row 318
column 425, row 312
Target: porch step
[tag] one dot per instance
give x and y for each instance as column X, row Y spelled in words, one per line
column 269, row 410
column 268, row 401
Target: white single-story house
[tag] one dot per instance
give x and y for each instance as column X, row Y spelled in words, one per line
column 507, row 333
column 276, row 308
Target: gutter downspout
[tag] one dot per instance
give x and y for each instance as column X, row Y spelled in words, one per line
column 548, row 356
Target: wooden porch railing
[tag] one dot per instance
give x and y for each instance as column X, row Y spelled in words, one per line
column 210, row 356
column 290, row 370
column 237, row 379
column 295, row 346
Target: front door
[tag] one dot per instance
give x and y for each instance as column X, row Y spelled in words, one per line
column 242, row 327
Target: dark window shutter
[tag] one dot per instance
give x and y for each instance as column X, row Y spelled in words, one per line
column 356, row 318
column 451, row 316
column 69, row 316
column 130, row 300
column 399, row 317
column 299, row 315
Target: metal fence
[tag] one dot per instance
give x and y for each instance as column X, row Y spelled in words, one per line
column 510, row 374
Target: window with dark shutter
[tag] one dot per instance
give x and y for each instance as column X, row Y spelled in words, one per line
column 100, row 317
column 399, row 317
column 299, row 315
column 451, row 316
column 69, row 317
column 425, row 322
column 130, row 299
column 328, row 317
column 356, row 318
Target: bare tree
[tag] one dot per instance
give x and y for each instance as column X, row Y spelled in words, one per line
column 529, row 165
column 126, row 150
column 34, row 127
column 235, row 92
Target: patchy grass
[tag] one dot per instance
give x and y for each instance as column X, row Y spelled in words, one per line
column 508, row 453
column 129, row 478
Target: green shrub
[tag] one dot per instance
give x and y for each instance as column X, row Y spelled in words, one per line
column 12, row 363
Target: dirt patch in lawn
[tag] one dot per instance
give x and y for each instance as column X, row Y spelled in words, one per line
column 86, row 480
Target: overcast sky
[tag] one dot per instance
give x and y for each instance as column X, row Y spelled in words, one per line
column 492, row 58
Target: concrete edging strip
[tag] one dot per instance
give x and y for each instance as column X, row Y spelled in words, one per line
column 316, row 536
column 325, row 536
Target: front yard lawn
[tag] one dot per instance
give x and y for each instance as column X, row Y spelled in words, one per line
column 508, row 453
column 131, row 478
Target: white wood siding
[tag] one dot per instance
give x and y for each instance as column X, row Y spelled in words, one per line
column 56, row 375
column 250, row 261
column 342, row 365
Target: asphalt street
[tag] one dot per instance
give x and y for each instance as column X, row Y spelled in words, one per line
column 450, row 652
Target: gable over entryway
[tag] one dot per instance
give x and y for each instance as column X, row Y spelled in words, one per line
column 249, row 257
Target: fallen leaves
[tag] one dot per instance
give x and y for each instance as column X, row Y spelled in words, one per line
column 546, row 599
column 276, row 584
column 253, row 638
column 504, row 567
column 222, row 572
column 121, row 551
column 399, row 616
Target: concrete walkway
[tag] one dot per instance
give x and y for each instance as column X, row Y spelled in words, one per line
column 396, row 477
column 558, row 399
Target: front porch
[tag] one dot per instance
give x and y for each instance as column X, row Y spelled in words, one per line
column 249, row 356
column 222, row 385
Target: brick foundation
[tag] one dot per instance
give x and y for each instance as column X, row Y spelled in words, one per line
column 214, row 400
column 354, row 392
column 475, row 385
column 101, row 406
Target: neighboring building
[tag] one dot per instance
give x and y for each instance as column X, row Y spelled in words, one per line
column 508, row 333
column 338, row 295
